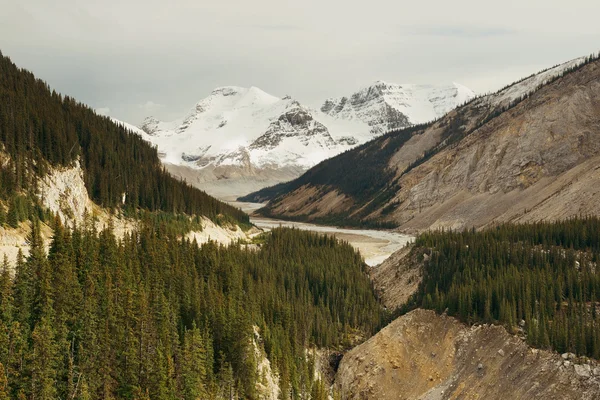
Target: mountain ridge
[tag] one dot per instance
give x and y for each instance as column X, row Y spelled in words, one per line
column 246, row 133
column 402, row 189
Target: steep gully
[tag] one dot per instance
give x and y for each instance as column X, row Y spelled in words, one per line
column 374, row 245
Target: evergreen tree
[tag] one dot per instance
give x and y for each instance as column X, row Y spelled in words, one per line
column 44, row 360
column 3, row 384
column 2, row 215
column 12, row 217
column 193, row 365
column 541, row 273
column 144, row 317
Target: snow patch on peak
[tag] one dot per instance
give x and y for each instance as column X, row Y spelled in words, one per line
column 150, row 121
column 529, row 85
column 463, row 93
column 254, row 96
column 384, row 106
column 238, row 97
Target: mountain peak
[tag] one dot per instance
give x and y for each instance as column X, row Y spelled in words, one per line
column 235, row 97
column 227, row 90
column 283, row 133
column 384, row 105
column 380, row 82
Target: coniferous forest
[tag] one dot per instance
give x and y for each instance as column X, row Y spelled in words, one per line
column 153, row 316
column 537, row 279
column 40, row 128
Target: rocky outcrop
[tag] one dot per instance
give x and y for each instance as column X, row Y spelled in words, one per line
column 422, row 355
column 267, row 384
column 150, row 126
column 64, row 193
column 530, row 158
column 296, row 122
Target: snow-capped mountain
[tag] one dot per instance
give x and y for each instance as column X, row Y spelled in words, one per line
column 240, row 132
column 237, row 125
column 385, row 106
column 246, row 126
column 528, row 85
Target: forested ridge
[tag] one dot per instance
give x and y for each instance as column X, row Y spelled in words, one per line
column 40, row 128
column 153, row 316
column 538, row 279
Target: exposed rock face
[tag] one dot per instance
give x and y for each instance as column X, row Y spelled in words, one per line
column 537, row 160
column 63, row 191
column 295, row 122
column 151, row 126
column 423, row 355
column 213, row 232
column 268, row 381
column 385, row 106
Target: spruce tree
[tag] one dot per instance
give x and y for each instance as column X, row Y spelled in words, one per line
column 44, row 360
column 12, row 217
column 4, row 390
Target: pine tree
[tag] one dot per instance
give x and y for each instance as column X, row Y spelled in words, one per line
column 23, row 290
column 2, row 214
column 12, row 217
column 44, row 360
column 6, row 311
column 4, row 390
column 193, row 365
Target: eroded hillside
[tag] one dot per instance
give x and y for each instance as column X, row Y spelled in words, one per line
column 423, row 355
column 523, row 154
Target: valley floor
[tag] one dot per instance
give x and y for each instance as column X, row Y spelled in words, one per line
column 374, row 245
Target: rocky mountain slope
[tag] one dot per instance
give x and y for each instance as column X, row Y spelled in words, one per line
column 528, row 152
column 387, row 106
column 243, row 136
column 423, row 355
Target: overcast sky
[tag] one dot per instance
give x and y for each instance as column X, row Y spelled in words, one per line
column 138, row 58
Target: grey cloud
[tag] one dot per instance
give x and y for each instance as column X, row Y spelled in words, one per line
column 277, row 27
column 461, row 31
column 122, row 54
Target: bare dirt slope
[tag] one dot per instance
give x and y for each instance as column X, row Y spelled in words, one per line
column 397, row 278
column 530, row 162
column 537, row 160
column 426, row 356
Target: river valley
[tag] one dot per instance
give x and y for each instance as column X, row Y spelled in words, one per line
column 374, row 245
